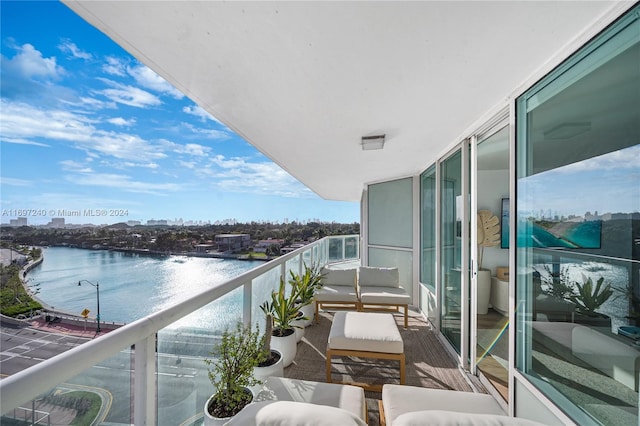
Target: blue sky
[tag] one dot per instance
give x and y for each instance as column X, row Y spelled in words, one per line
column 85, row 126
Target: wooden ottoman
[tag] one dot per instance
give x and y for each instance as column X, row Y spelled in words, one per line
column 365, row 335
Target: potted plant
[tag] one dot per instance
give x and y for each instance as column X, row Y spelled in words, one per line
column 588, row 299
column 284, row 311
column 273, row 364
column 307, row 284
column 488, row 235
column 231, row 373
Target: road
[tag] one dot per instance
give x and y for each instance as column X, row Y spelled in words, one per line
column 183, row 385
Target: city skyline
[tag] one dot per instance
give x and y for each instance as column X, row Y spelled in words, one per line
column 88, row 128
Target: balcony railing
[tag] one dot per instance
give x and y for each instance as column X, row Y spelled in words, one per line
column 151, row 371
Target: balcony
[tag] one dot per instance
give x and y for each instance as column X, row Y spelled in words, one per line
column 142, row 379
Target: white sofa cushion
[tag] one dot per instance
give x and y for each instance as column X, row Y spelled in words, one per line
column 341, row 277
column 365, row 331
column 390, row 295
column 398, row 400
column 379, row 277
column 453, row 418
column 337, row 293
column 347, row 397
column 290, row 413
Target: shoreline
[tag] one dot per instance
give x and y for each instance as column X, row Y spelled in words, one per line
column 51, row 319
column 217, row 255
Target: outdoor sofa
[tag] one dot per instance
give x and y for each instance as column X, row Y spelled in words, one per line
column 364, row 288
column 284, row 401
column 416, row 406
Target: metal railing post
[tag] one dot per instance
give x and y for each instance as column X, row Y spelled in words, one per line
column 247, row 300
column 145, row 388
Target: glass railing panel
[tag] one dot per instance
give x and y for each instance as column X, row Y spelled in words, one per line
column 306, row 257
column 261, row 289
column 319, row 252
column 183, row 383
column 336, row 249
column 351, row 248
column 99, row 395
column 292, row 265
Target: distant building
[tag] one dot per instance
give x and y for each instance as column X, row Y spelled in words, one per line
column 262, row 245
column 233, row 242
column 204, row 248
column 21, row 221
column 57, row 222
column 292, row 247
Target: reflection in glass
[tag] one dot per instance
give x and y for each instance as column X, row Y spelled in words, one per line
column 451, row 248
column 578, row 230
column 492, row 334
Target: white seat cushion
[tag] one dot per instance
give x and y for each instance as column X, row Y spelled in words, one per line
column 290, row 413
column 341, row 277
column 452, row 418
column 365, row 331
column 398, row 400
column 348, row 397
column 381, row 277
column 337, row 293
column 391, row 295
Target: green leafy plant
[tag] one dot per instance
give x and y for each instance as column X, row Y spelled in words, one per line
column 307, row 284
column 231, row 372
column 589, row 299
column 283, row 309
column 557, row 284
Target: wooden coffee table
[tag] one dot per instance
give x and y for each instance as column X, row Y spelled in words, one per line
column 365, row 335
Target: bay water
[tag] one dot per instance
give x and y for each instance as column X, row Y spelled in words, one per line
column 131, row 285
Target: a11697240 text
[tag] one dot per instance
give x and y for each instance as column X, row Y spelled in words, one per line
column 97, row 212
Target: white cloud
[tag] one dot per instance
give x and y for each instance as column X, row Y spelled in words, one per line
column 114, row 66
column 119, row 121
column 20, row 141
column 147, row 78
column 68, row 47
column 124, row 183
column 128, row 95
column 74, row 166
column 239, row 175
column 208, row 133
column 626, row 158
column 30, row 63
column 15, row 182
column 24, row 122
column 199, row 112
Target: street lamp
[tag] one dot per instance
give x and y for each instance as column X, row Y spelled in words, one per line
column 97, row 286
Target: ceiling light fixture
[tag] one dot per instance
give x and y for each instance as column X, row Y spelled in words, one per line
column 372, row 142
column 567, row 130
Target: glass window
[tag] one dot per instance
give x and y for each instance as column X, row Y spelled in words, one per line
column 390, row 213
column 451, row 248
column 428, row 228
column 578, row 230
column 428, row 205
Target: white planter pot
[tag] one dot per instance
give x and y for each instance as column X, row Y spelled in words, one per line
column 299, row 330
column 286, row 346
column 308, row 311
column 209, row 420
column 484, row 291
column 263, row 372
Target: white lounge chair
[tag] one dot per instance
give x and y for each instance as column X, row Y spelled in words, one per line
column 380, row 288
column 339, row 289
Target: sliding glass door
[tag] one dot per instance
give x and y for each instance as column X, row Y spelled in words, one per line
column 451, row 216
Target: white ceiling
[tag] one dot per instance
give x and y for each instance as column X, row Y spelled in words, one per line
column 304, row 81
